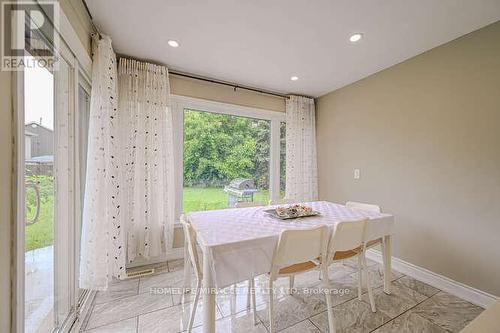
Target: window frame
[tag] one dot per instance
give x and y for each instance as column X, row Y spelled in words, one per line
column 180, row 103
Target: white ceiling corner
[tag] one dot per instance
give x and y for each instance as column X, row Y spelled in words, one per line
column 263, row 43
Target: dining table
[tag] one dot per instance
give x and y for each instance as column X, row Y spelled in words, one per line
column 237, row 244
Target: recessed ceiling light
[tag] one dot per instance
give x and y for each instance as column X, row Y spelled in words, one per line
column 355, row 37
column 173, row 43
column 294, row 78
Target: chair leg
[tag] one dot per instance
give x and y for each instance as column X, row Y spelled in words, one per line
column 249, row 290
column 360, row 277
column 292, row 281
column 187, row 270
column 369, row 286
column 271, row 306
column 194, row 306
column 254, row 305
column 329, row 303
column 232, row 298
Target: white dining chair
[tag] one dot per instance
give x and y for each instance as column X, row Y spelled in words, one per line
column 282, row 202
column 363, row 206
column 190, row 236
column 297, row 251
column 245, row 204
column 349, row 240
column 371, row 208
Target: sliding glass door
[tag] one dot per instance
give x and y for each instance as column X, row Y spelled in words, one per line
column 49, row 200
column 53, row 108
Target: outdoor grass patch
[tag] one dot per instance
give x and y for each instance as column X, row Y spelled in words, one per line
column 41, row 233
column 208, row 198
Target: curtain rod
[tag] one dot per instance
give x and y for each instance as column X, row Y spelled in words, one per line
column 225, row 83
column 235, row 86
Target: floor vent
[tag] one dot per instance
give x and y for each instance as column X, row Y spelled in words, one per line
column 144, row 272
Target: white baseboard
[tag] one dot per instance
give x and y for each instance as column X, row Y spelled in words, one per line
column 448, row 285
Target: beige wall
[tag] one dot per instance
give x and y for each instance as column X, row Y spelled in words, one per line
column 426, row 136
column 225, row 94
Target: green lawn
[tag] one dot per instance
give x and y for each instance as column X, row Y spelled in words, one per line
column 41, row 233
column 207, row 198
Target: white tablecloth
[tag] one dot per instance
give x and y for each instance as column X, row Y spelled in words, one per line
column 241, row 241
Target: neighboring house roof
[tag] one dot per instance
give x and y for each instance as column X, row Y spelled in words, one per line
column 30, row 124
column 47, row 159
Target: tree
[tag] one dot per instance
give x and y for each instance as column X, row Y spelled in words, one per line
column 219, row 148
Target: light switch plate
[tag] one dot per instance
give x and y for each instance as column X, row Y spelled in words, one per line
column 356, row 174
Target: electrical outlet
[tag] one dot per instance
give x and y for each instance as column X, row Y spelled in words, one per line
column 356, row 174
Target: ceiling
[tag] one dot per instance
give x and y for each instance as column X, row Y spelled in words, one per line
column 262, row 43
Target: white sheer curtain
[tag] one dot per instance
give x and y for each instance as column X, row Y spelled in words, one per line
column 146, row 136
column 301, row 168
column 129, row 192
column 102, row 243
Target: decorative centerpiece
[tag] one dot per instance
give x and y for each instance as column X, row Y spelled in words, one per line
column 292, row 211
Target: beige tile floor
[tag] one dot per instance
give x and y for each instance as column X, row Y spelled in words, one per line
column 153, row 304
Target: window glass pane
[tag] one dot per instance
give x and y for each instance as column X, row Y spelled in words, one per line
column 64, row 188
column 48, row 134
column 50, row 179
column 39, row 180
column 219, row 149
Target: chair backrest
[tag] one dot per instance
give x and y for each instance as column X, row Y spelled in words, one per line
column 348, row 235
column 190, row 238
column 363, row 206
column 245, row 204
column 298, row 246
column 282, row 201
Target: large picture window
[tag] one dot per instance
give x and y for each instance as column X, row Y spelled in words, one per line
column 229, row 154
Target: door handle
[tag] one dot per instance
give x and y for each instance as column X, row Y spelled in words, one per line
column 38, row 203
